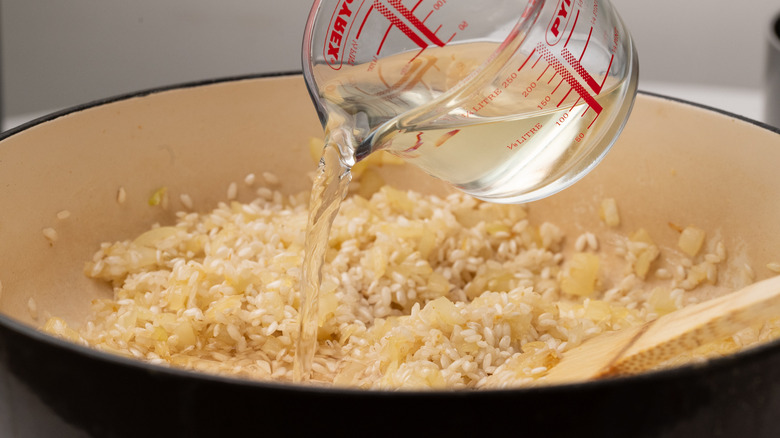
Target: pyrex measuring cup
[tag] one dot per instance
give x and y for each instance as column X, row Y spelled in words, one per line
column 508, row 100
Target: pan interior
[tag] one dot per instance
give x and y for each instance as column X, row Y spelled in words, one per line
column 674, row 164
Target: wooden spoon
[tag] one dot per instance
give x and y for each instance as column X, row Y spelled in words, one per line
column 637, row 349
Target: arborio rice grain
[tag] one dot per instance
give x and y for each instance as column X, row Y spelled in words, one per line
column 418, row 291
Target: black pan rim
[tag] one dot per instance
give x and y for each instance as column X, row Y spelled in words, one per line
column 726, row 362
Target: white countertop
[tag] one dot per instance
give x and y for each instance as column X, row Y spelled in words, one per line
column 744, row 102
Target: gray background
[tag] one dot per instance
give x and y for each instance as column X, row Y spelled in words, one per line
column 59, row 53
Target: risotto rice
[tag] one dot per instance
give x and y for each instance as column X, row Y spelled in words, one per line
column 418, row 291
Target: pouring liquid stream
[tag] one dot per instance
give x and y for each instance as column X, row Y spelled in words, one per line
column 510, row 136
column 328, row 190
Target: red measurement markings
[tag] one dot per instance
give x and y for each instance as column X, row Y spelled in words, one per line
column 611, row 58
column 543, row 72
column 556, row 88
column 587, row 41
column 423, row 49
column 417, row 54
column 360, row 29
column 415, row 33
column 571, row 80
column 581, row 70
column 537, row 61
column 526, row 60
column 565, row 95
column 573, row 26
column 406, row 13
column 584, row 112
column 593, row 121
column 395, row 21
column 382, row 43
column 575, row 104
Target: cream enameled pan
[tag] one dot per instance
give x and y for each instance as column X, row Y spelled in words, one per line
column 675, row 163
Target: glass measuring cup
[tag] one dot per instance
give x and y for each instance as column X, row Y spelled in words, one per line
column 508, row 100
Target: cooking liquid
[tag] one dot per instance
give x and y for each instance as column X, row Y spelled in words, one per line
column 521, row 131
column 466, row 113
column 328, row 190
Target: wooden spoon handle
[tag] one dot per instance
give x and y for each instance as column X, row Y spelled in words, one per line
column 640, row 348
column 693, row 326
